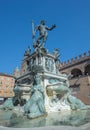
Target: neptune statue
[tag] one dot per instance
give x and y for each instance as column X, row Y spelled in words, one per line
column 43, row 31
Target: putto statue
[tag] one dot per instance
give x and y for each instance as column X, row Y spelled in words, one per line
column 43, row 31
column 28, row 51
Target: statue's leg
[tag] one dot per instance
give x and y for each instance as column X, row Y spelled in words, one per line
column 44, row 40
column 41, row 37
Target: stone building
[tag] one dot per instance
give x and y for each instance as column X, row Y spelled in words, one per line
column 7, row 83
column 79, row 67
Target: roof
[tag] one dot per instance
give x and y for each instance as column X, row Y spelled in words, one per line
column 5, row 74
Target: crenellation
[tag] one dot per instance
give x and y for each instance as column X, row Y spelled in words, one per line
column 80, row 57
column 88, row 53
column 85, row 55
column 76, row 59
column 68, row 62
column 60, row 65
column 72, row 59
column 64, row 62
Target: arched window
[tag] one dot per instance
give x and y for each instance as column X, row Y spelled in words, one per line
column 87, row 70
column 64, row 73
column 76, row 72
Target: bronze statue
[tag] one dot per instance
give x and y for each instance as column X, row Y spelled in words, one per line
column 57, row 53
column 43, row 31
column 28, row 51
column 35, row 106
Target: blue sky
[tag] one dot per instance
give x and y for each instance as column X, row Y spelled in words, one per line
column 72, row 34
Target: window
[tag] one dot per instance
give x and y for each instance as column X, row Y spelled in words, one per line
column 87, row 70
column 76, row 72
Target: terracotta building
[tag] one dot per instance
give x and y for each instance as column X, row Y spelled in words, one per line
column 79, row 67
column 7, row 83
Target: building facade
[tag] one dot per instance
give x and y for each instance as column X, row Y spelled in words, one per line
column 79, row 67
column 7, row 83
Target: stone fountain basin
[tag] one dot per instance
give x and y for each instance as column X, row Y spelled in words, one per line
column 75, row 119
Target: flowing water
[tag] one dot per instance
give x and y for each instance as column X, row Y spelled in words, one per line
column 75, row 118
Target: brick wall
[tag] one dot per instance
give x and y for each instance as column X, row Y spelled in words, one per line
column 81, row 88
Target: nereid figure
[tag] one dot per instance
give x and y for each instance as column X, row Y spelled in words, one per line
column 35, row 106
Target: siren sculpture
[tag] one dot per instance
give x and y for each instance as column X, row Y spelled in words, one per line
column 42, row 89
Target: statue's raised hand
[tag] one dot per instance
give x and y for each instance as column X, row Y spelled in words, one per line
column 53, row 26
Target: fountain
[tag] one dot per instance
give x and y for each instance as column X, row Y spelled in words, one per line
column 45, row 91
